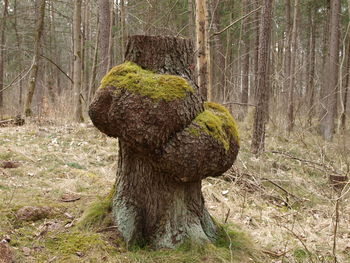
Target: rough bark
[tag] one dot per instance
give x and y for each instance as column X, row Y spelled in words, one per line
column 166, row 147
column 327, row 122
column 35, row 67
column 260, row 114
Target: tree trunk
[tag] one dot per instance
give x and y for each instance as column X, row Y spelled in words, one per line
column 325, row 75
column 291, row 82
column 327, row 122
column 260, row 115
column 123, row 27
column 191, row 28
column 158, row 199
column 201, row 47
column 78, row 115
column 310, row 85
column 92, row 84
column 35, row 67
column 245, row 60
column 287, row 55
column 104, row 17
column 256, row 51
column 110, row 37
column 2, row 54
column 346, row 89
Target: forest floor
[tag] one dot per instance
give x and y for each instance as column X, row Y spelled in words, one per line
column 283, row 200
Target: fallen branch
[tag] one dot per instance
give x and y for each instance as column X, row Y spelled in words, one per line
column 327, row 167
column 235, row 22
column 281, row 188
column 239, row 103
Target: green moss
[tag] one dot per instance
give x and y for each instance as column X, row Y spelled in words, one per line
column 97, row 213
column 217, row 122
column 72, row 242
column 300, row 254
column 133, row 78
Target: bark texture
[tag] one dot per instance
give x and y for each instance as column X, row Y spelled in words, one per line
column 169, row 141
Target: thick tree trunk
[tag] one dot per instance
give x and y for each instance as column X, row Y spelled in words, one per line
column 166, row 213
column 163, row 156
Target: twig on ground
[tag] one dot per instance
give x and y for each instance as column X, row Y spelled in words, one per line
column 325, row 166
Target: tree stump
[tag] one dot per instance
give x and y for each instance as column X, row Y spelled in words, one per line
column 169, row 140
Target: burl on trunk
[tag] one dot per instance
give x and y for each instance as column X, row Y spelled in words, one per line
column 169, row 141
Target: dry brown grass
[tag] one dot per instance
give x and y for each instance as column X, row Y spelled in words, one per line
column 283, row 200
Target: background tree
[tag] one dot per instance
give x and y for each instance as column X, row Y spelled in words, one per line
column 36, row 58
column 2, row 53
column 328, row 121
column 260, row 114
column 78, row 116
column 104, row 36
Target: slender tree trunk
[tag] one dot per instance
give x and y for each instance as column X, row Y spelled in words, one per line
column 260, row 115
column 123, row 27
column 18, row 42
column 325, row 75
column 245, row 60
column 256, row 51
column 287, row 53
column 78, row 115
column 310, row 85
column 104, row 17
column 208, row 51
column 94, row 66
column 35, row 67
column 291, row 87
column 191, row 26
column 327, row 123
column 202, row 63
column 347, row 84
column 346, row 89
column 110, row 37
column 2, row 54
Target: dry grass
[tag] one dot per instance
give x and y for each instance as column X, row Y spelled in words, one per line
column 282, row 199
